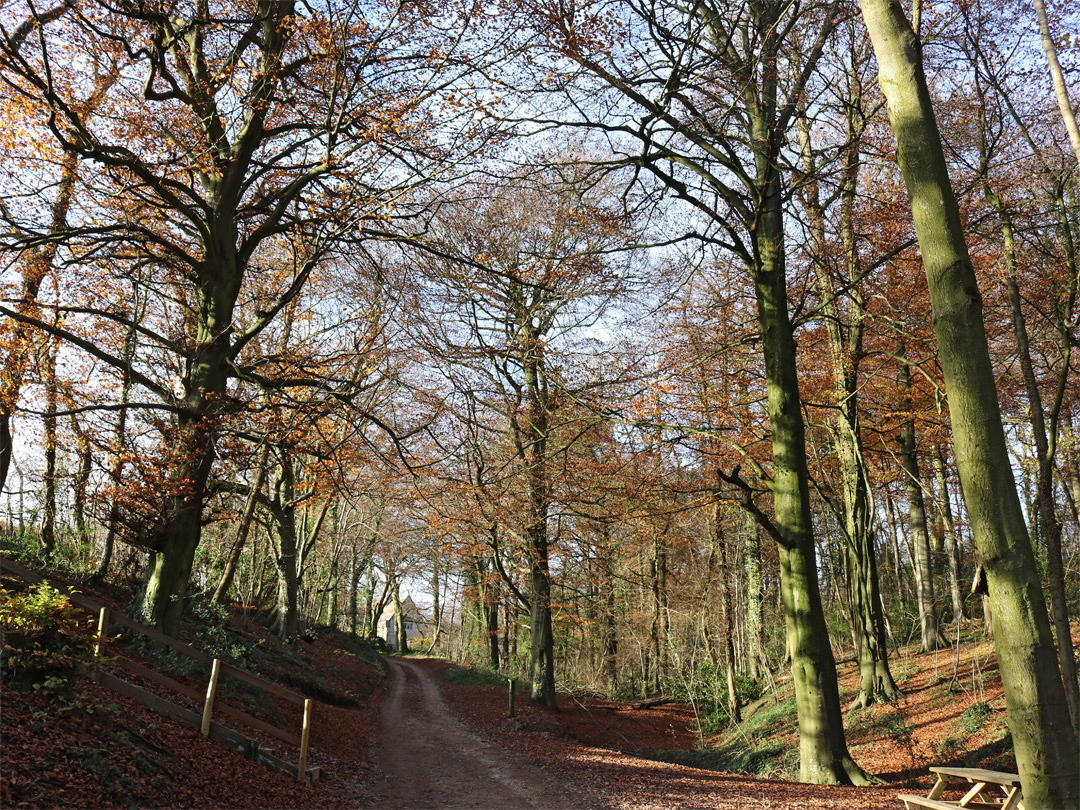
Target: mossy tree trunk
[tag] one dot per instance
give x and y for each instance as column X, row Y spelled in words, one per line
column 116, row 469
column 845, row 327
column 727, row 612
column 173, row 554
column 401, row 634
column 81, row 480
column 823, row 754
column 531, row 433
column 293, row 541
column 48, row 517
column 282, row 507
column 755, row 648
column 1038, row 715
column 1045, row 422
column 233, row 559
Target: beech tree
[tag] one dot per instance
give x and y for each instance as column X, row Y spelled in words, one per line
column 1045, row 346
column 17, row 337
column 701, row 102
column 524, row 266
column 1039, row 719
column 840, row 271
column 255, row 126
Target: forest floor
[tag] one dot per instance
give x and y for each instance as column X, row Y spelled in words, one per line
column 644, row 758
column 420, row 740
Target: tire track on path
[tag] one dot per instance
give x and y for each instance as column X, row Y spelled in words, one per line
column 426, row 758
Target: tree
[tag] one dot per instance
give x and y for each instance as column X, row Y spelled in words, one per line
column 701, row 100
column 930, row 629
column 524, row 267
column 845, row 315
column 1007, row 203
column 1044, row 740
column 256, row 128
column 16, row 339
column 1060, row 90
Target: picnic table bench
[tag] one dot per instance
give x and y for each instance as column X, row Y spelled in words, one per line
column 989, row 789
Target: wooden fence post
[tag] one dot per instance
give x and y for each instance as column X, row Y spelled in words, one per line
column 511, row 712
column 305, row 733
column 211, row 691
column 99, row 642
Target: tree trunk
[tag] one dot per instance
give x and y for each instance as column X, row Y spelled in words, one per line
column 922, row 562
column 286, row 624
column 227, row 574
column 727, row 613
column 705, row 610
column 535, row 436
column 1069, row 470
column 436, row 605
column 754, row 627
column 894, row 535
column 354, row 589
column 1058, row 80
column 823, row 754
column 491, row 622
column 1045, row 440
column 48, row 519
column 845, row 351
column 169, row 570
column 81, row 482
column 173, row 554
column 952, row 546
column 542, row 655
column 657, row 636
column 116, row 470
column 508, row 630
column 610, row 630
column 401, row 632
column 1043, row 738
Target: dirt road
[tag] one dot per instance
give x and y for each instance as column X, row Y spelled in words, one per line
column 427, row 759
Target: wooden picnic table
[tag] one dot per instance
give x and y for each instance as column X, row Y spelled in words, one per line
column 989, row 789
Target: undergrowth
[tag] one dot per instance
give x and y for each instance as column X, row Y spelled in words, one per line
column 706, row 691
column 42, row 647
column 476, row 676
column 759, row 746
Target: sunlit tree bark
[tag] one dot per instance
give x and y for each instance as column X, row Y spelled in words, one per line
column 1044, row 740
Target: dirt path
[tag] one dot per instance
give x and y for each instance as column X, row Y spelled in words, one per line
column 426, row 758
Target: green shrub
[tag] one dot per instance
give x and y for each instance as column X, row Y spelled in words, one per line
column 22, row 546
column 41, row 648
column 216, row 635
column 364, row 649
column 747, row 689
column 974, row 717
column 762, row 758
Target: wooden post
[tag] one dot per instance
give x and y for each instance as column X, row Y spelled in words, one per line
column 305, row 733
column 511, row 712
column 99, row 642
column 211, row 691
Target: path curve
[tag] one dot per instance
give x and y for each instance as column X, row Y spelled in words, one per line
column 426, row 758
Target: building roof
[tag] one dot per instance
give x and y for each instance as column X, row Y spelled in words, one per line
column 409, row 609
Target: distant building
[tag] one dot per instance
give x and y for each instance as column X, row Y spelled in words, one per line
column 417, row 627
